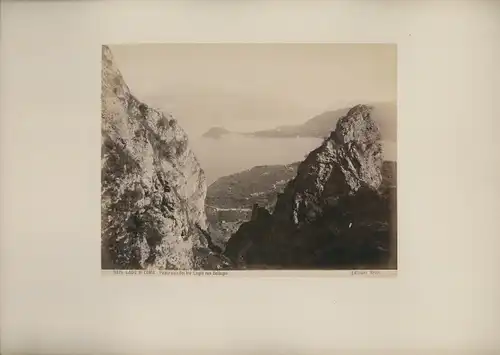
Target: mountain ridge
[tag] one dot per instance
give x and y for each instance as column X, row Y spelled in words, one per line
column 332, row 214
column 319, row 126
column 258, row 185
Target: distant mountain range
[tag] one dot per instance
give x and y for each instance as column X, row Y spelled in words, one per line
column 320, row 126
column 216, row 132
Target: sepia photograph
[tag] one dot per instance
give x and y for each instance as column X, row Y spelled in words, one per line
column 249, row 156
column 255, row 157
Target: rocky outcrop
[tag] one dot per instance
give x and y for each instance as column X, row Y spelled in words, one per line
column 153, row 188
column 259, row 185
column 335, row 213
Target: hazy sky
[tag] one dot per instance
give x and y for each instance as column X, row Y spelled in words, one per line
column 256, row 86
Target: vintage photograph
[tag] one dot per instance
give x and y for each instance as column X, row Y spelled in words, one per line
column 249, row 156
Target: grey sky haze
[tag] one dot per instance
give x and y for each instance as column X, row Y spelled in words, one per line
column 256, row 86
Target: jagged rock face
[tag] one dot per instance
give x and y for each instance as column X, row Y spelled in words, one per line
column 350, row 158
column 333, row 214
column 153, row 188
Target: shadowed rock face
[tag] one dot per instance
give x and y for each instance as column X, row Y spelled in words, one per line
column 153, row 188
column 334, row 214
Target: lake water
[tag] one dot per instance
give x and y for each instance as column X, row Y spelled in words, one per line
column 231, row 154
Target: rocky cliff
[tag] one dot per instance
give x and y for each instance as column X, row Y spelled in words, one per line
column 259, row 185
column 335, row 213
column 153, row 188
